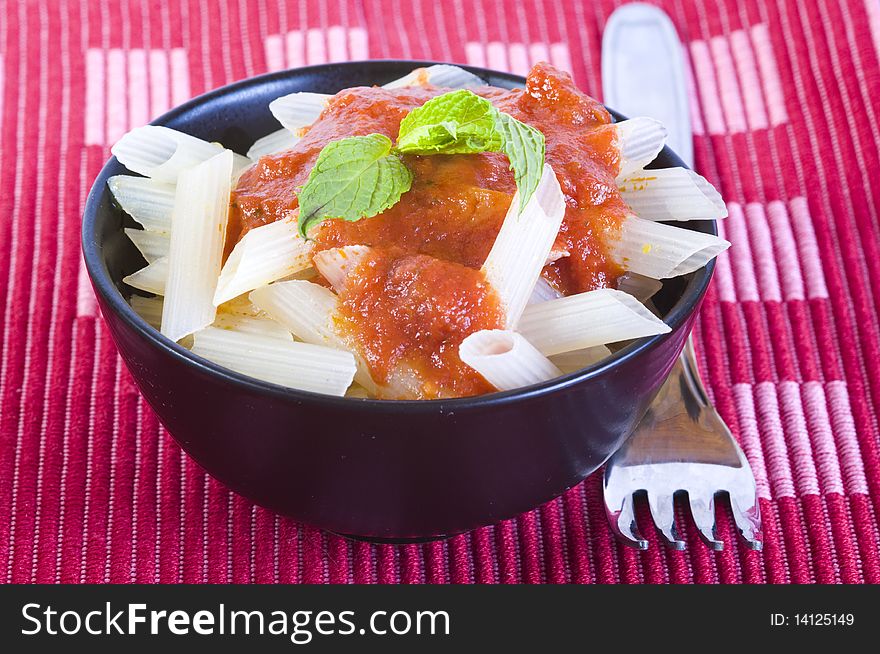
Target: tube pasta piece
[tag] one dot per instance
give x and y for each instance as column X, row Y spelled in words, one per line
column 198, row 229
column 148, row 308
column 579, row 359
column 506, row 359
column 297, row 111
column 263, row 255
column 439, row 75
column 661, row 251
column 358, row 391
column 147, row 201
column 151, row 278
column 295, row 365
column 306, row 309
column 307, row 274
column 309, row 312
column 336, row 264
column 278, row 141
column 163, row 153
column 523, row 244
column 640, row 287
column 543, row 291
column 641, row 140
column 672, row 194
column 586, row 320
column 240, row 306
column 152, row 245
column 258, row 325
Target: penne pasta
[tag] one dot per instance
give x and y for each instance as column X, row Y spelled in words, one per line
column 672, row 194
column 277, row 141
column 506, row 359
column 307, row 274
column 543, row 291
column 336, row 264
column 259, row 325
column 147, row 201
column 579, row 359
column 304, row 308
column 523, row 244
column 586, row 320
column 661, row 251
column 439, row 75
column 358, row 391
column 640, row 287
column 309, row 312
column 151, row 278
column 295, row 365
column 148, row 308
column 297, row 111
column 640, row 141
column 263, row 255
column 152, row 245
column 240, row 306
column 163, row 153
column 198, row 230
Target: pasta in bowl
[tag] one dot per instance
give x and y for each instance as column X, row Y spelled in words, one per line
column 276, row 288
column 431, row 244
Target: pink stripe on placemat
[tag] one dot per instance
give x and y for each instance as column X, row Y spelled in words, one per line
column 786, row 103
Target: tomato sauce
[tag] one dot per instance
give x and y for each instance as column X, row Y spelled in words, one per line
column 420, row 292
column 408, row 313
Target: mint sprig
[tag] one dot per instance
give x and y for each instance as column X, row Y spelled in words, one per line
column 361, row 176
column 459, row 122
column 524, row 147
column 353, row 178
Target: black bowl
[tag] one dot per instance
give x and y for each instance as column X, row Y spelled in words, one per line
column 371, row 468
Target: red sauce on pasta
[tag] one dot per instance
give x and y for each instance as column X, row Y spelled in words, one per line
column 420, row 291
column 409, row 313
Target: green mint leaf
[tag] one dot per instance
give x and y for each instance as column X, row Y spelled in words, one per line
column 524, row 147
column 362, row 176
column 353, row 178
column 459, row 122
column 462, row 122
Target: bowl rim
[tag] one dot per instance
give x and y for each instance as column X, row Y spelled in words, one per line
column 683, row 308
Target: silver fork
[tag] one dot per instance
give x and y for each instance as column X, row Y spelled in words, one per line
column 681, row 446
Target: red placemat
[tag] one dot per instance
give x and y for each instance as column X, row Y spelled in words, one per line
column 786, row 99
